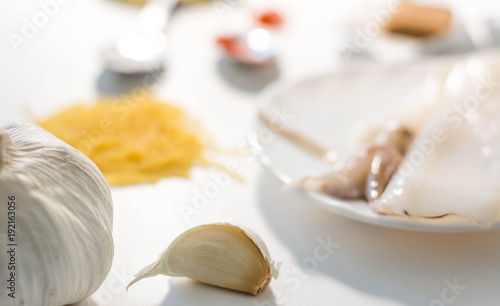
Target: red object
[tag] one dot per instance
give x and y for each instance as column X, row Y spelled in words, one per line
column 229, row 44
column 232, row 46
column 269, row 19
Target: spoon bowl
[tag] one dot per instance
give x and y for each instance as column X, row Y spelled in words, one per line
column 137, row 52
column 256, row 47
column 142, row 49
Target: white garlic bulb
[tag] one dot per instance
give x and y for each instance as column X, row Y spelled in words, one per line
column 218, row 254
column 55, row 219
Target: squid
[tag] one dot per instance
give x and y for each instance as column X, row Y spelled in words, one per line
column 438, row 159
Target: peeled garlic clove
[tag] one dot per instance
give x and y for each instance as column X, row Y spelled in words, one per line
column 219, row 254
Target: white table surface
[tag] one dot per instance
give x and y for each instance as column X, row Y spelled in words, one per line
column 370, row 265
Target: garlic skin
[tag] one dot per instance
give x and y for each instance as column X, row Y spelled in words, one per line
column 63, row 225
column 219, row 254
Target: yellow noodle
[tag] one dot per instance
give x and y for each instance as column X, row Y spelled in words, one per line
column 132, row 142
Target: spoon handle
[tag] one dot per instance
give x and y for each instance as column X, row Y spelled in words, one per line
column 155, row 15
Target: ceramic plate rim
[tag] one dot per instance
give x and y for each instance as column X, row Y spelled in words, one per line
column 340, row 207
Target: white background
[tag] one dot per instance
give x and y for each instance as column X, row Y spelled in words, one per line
column 372, row 265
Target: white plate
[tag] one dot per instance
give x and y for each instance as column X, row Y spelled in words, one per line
column 329, row 108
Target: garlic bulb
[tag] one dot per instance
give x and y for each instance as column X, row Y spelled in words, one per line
column 219, row 254
column 55, row 219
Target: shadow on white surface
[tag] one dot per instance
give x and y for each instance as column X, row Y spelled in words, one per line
column 411, row 268
column 87, row 302
column 190, row 292
column 110, row 83
column 245, row 77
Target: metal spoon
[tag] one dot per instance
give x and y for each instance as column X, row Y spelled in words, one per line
column 142, row 49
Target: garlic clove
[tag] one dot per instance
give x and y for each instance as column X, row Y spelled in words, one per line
column 221, row 255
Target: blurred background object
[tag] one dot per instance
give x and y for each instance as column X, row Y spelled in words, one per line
column 418, row 20
column 143, row 48
column 258, row 45
column 396, row 32
column 142, row 2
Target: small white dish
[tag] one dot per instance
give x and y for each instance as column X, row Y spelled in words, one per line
column 328, row 108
